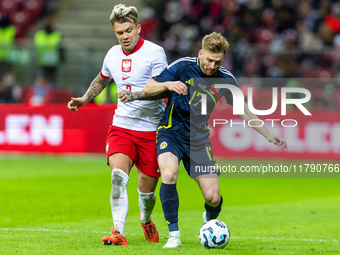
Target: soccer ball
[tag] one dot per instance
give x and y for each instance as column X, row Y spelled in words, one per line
column 214, row 234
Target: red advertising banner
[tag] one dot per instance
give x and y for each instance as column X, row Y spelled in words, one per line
column 54, row 128
column 308, row 136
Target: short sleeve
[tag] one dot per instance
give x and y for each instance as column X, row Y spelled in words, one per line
column 105, row 72
column 168, row 74
column 228, row 96
column 159, row 62
column 164, row 76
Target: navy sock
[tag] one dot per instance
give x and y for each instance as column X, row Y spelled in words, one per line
column 213, row 212
column 169, row 198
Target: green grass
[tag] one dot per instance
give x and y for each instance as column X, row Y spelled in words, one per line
column 60, row 205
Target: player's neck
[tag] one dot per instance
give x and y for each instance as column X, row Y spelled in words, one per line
column 136, row 48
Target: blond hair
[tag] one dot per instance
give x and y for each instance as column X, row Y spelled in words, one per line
column 215, row 43
column 121, row 14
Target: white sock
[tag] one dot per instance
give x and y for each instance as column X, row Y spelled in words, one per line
column 175, row 233
column 146, row 203
column 119, row 199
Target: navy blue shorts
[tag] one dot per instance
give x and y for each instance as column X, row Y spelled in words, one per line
column 197, row 160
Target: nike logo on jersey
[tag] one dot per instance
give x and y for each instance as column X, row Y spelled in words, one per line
column 124, row 78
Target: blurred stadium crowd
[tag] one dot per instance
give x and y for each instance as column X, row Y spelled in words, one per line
column 268, row 38
column 17, row 17
column 297, row 40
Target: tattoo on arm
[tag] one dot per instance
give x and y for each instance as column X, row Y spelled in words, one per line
column 131, row 96
column 96, row 86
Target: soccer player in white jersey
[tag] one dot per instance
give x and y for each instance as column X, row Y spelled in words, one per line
column 131, row 139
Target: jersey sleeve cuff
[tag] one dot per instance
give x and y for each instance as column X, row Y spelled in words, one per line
column 103, row 76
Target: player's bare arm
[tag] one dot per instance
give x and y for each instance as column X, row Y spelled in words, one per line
column 96, row 86
column 153, row 87
column 127, row 96
column 275, row 139
column 153, row 90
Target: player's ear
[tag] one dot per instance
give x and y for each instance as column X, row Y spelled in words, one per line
column 139, row 28
column 200, row 53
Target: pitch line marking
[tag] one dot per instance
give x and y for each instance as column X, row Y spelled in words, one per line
column 52, row 230
column 234, row 237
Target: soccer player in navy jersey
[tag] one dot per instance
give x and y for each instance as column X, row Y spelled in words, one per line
column 183, row 134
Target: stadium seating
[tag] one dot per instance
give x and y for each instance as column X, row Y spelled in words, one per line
column 7, row 7
column 22, row 13
column 21, row 21
column 34, row 8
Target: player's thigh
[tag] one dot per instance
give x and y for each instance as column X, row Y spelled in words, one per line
column 210, row 188
column 146, row 183
column 120, row 149
column 168, row 164
column 199, row 161
column 146, row 160
column 121, row 161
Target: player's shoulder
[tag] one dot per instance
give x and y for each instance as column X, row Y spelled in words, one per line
column 183, row 62
column 224, row 72
column 153, row 50
column 152, row 45
column 114, row 49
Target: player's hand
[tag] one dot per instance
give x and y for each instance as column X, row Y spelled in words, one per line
column 125, row 96
column 76, row 103
column 178, row 87
column 278, row 140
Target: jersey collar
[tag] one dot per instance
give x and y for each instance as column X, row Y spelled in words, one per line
column 138, row 46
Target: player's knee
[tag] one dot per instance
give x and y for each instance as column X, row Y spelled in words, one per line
column 119, row 180
column 169, row 177
column 212, row 198
column 147, row 188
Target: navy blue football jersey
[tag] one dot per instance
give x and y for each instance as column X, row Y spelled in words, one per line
column 183, row 115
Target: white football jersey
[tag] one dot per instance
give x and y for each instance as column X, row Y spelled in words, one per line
column 131, row 71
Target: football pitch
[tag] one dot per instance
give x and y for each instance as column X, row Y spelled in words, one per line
column 60, row 205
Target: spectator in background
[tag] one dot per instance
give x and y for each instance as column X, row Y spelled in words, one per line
column 41, row 92
column 307, row 15
column 282, row 26
column 10, row 92
column 266, row 32
column 7, row 40
column 150, row 25
column 285, row 18
column 48, row 51
column 172, row 14
column 187, row 33
column 331, row 24
column 326, row 98
column 334, row 54
column 307, row 41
